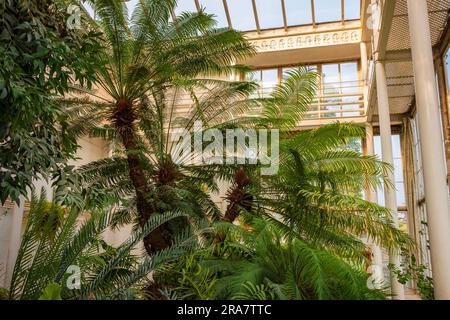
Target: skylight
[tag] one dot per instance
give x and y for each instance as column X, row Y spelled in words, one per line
column 327, row 10
column 216, row 8
column 298, row 12
column 241, row 13
column 185, row 6
column 256, row 15
column 352, row 9
column 269, row 14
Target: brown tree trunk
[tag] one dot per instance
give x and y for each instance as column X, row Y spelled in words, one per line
column 160, row 238
column 238, row 199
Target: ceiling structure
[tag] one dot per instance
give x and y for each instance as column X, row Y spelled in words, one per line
column 399, row 67
column 257, row 15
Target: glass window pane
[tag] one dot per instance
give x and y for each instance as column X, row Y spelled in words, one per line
column 330, row 73
column 269, row 78
column 401, row 201
column 298, row 12
column 349, row 71
column 352, row 9
column 216, row 8
column 398, row 170
column 241, row 13
column 269, row 14
column 185, row 5
column 349, row 77
column 330, row 78
column 130, row 6
column 327, row 10
column 396, row 146
column 311, row 68
column 254, row 76
column 286, row 72
column 447, row 67
column 89, row 9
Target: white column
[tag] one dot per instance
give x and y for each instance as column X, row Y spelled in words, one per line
column 371, row 195
column 436, row 190
column 15, row 238
column 364, row 73
column 386, row 150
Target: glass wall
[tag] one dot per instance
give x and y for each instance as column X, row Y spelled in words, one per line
column 267, row 80
column 398, row 170
column 447, row 72
column 339, row 88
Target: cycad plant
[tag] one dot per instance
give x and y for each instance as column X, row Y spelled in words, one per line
column 260, row 262
column 150, row 66
column 63, row 256
column 317, row 194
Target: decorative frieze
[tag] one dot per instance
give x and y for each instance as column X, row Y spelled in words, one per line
column 307, row 40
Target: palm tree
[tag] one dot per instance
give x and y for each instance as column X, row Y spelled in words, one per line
column 149, row 65
column 317, row 194
column 54, row 242
column 300, row 231
column 259, row 262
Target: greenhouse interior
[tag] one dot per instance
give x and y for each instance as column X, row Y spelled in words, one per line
column 225, row 150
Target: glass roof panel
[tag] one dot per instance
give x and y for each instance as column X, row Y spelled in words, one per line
column 185, row 5
column 298, row 12
column 216, row 8
column 352, row 9
column 269, row 14
column 89, row 9
column 327, row 10
column 131, row 4
column 241, row 13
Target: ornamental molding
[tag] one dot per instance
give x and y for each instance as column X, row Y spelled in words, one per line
column 319, row 39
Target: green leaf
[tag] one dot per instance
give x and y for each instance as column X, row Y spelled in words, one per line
column 51, row 292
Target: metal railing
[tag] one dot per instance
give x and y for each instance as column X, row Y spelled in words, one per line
column 333, row 100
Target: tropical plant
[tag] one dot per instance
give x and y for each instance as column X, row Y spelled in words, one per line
column 41, row 58
column 257, row 261
column 71, row 261
column 317, row 194
column 149, row 66
column 411, row 270
column 290, row 269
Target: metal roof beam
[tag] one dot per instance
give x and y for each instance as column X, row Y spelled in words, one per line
column 283, row 9
column 227, row 13
column 255, row 13
column 313, row 14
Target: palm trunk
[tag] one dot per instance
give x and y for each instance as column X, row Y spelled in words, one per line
column 160, row 238
column 238, row 199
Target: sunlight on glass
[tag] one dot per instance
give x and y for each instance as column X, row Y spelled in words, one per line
column 349, row 77
column 269, row 14
column 89, row 9
column 185, row 6
column 298, row 12
column 447, row 68
column 130, row 6
column 241, row 13
column 352, row 9
column 398, row 169
column 216, row 8
column 327, row 10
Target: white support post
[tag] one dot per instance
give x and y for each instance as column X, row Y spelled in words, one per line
column 436, row 189
column 390, row 197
